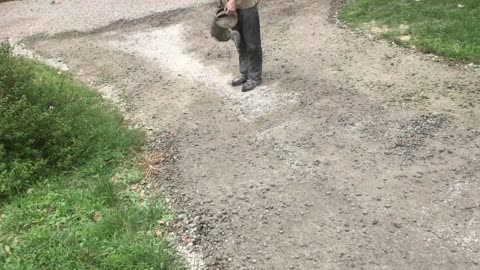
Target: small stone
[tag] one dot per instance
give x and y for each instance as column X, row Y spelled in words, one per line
column 375, row 222
column 97, row 216
column 210, row 261
column 405, row 38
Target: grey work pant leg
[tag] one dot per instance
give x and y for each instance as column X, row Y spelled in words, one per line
column 250, row 43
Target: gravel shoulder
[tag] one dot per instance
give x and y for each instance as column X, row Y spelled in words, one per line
column 20, row 19
column 354, row 154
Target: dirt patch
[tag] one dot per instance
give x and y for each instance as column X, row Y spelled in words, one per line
column 167, row 47
column 336, row 7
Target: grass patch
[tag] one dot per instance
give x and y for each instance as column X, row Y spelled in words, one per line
column 444, row 27
column 66, row 165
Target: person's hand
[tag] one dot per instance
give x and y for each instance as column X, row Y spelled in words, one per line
column 231, row 7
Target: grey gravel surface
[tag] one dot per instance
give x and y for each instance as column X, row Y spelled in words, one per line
column 24, row 18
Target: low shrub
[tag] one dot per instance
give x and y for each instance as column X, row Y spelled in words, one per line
column 50, row 123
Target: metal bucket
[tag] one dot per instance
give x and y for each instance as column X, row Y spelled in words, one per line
column 219, row 33
column 221, row 25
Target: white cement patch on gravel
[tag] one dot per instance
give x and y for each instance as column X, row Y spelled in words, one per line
column 167, row 46
column 19, row 49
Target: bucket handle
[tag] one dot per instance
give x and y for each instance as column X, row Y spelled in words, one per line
column 221, row 12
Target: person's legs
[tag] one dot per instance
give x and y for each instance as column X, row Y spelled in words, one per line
column 253, row 42
column 251, row 55
column 237, row 37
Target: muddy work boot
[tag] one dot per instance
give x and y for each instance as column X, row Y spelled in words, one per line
column 250, row 85
column 239, row 81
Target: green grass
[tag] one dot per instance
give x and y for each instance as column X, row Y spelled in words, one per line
column 435, row 26
column 60, row 147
